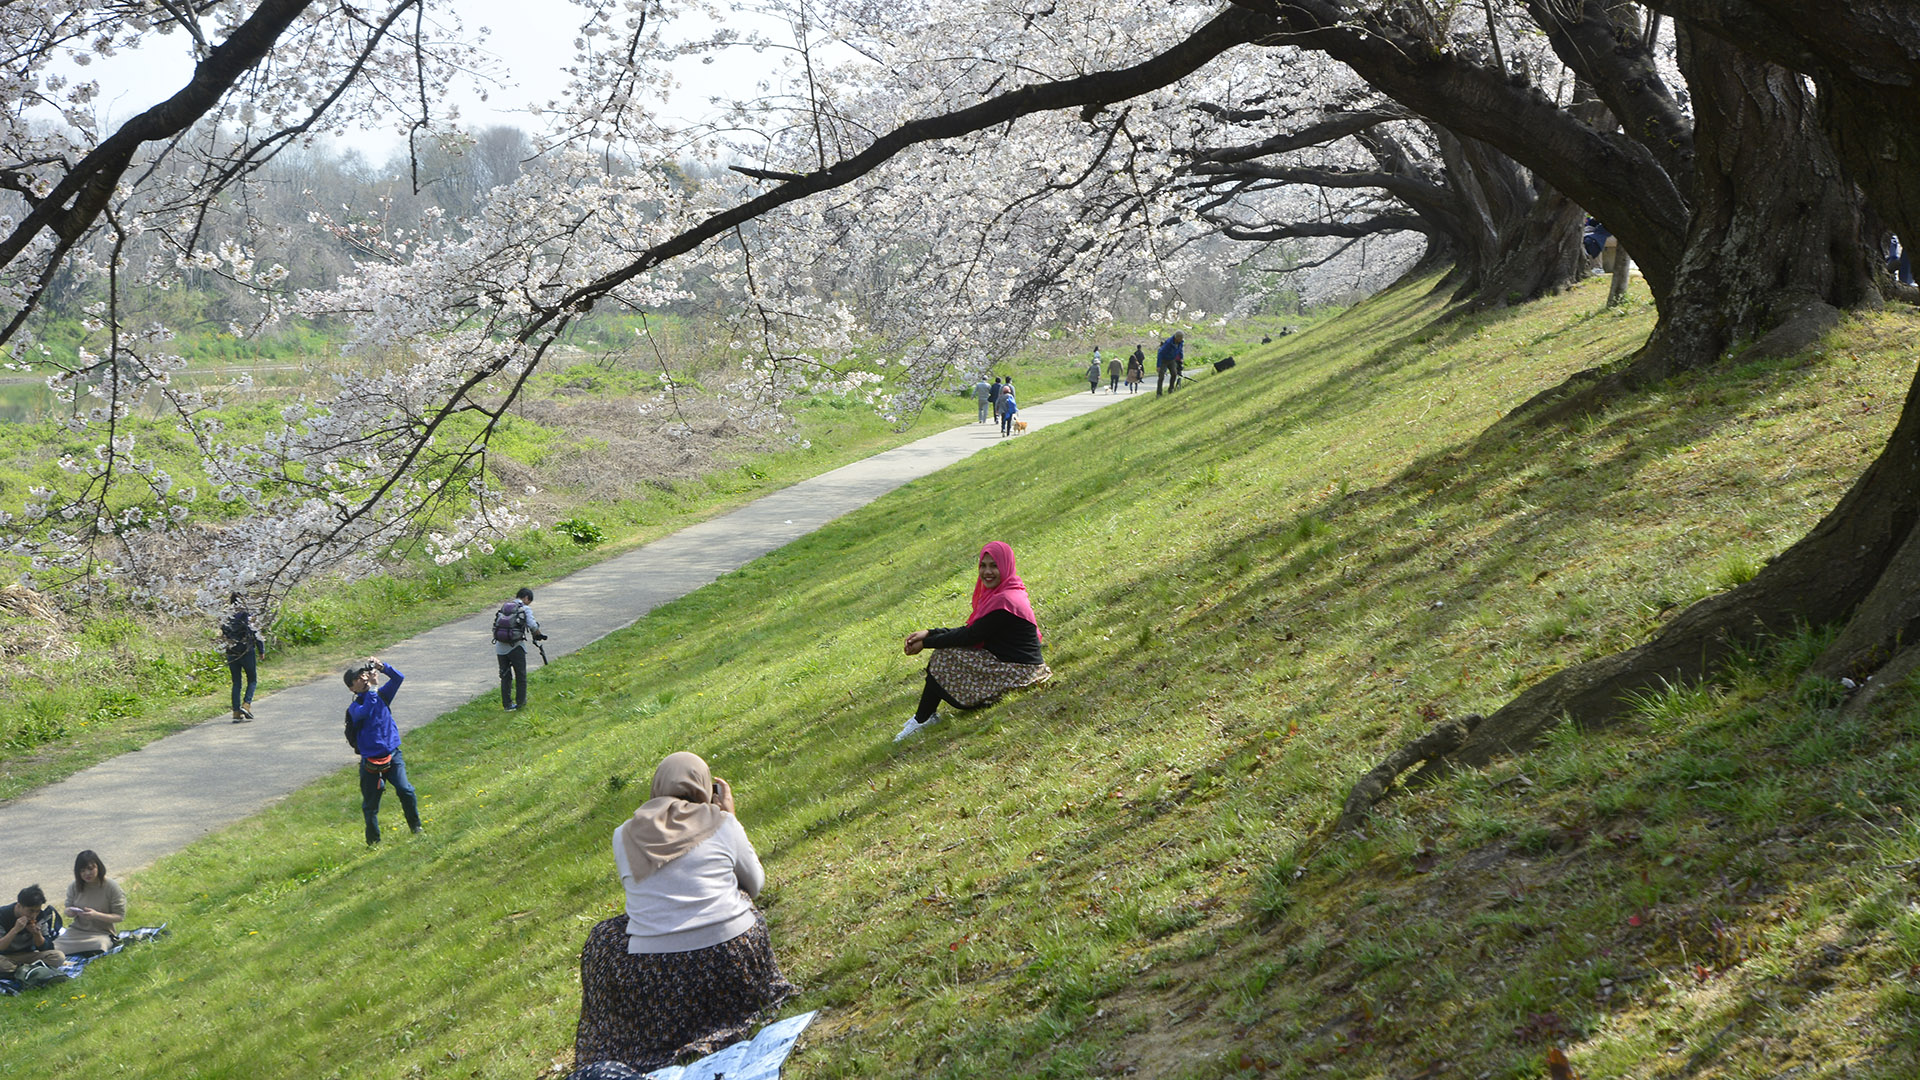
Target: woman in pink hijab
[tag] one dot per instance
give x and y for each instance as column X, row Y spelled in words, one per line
column 997, row 651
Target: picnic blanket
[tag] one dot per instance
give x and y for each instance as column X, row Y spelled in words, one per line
column 77, row 964
column 758, row 1058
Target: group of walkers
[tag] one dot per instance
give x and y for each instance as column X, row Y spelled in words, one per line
column 996, row 399
column 1133, row 371
column 34, row 936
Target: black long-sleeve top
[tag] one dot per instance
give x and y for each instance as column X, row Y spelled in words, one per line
column 1005, row 635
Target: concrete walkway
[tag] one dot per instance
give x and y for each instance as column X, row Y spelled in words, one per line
column 150, row 803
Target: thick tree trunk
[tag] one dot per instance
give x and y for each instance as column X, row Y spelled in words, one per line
column 1774, row 240
column 1521, row 240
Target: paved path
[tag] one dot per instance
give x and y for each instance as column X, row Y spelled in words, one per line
column 150, row 803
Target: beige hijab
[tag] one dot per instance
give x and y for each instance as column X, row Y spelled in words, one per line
column 680, row 815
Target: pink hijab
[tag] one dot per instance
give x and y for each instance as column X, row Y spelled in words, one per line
column 1011, row 595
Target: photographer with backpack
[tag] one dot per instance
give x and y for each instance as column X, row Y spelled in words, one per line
column 241, row 644
column 513, row 625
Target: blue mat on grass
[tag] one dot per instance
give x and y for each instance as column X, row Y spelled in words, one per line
column 77, row 964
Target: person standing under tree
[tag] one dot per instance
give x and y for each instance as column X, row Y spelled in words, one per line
column 513, row 624
column 983, row 394
column 993, row 397
column 242, row 646
column 376, row 738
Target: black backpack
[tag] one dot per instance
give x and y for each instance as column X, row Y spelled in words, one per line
column 510, row 623
column 238, row 632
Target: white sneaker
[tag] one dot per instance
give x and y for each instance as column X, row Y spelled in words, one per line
column 912, row 725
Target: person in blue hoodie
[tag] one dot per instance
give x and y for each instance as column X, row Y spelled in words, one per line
column 1007, row 408
column 376, row 738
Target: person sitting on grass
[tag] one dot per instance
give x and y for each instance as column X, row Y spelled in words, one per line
column 997, row 651
column 95, row 904
column 686, row 969
column 28, row 927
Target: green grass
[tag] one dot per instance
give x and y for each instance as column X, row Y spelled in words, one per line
column 81, row 706
column 1251, row 592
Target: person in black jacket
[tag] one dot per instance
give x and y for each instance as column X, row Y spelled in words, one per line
column 241, row 643
column 997, row 651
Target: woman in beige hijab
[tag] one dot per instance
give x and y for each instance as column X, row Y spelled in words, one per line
column 689, row 966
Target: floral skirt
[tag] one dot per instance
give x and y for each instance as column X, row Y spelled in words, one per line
column 971, row 678
column 650, row 1009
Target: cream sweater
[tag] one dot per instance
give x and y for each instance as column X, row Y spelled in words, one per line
column 698, row 900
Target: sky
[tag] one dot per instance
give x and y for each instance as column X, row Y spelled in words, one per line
column 531, row 40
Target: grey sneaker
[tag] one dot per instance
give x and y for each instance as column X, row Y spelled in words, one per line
column 915, row 724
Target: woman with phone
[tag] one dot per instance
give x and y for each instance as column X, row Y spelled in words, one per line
column 686, row 969
column 95, row 905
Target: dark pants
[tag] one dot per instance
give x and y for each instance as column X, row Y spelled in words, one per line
column 1006, row 423
column 243, row 665
column 370, row 787
column 930, row 699
column 1113, row 384
column 513, row 677
column 1159, row 376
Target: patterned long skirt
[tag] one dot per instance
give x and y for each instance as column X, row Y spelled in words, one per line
column 971, row 678
column 651, row 1009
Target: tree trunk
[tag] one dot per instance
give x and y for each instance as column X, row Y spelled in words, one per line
column 1864, row 555
column 1522, row 240
column 1775, row 237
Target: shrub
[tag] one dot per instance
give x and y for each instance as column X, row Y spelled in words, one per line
column 581, row 531
column 301, row 628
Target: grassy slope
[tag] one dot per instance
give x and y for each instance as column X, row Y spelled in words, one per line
column 132, row 682
column 1250, row 592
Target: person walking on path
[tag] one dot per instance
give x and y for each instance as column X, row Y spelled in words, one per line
column 376, row 738
column 996, row 652
column 1166, row 365
column 513, row 625
column 983, row 394
column 1093, row 376
column 1113, row 375
column 993, row 397
column 243, row 648
column 1008, row 407
column 1136, row 370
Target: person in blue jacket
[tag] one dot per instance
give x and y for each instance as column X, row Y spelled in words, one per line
column 376, row 738
column 1008, row 407
column 1167, row 364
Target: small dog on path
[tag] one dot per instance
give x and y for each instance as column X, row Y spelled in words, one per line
column 1019, row 426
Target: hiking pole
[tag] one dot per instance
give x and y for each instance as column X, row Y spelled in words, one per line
column 543, row 650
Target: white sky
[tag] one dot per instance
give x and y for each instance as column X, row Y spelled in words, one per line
column 530, row 39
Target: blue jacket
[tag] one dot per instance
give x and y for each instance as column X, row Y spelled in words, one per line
column 1171, row 351
column 374, row 732
column 1008, row 406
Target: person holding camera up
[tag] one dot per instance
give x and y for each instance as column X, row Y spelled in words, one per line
column 513, row 624
column 376, row 738
column 686, row 968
